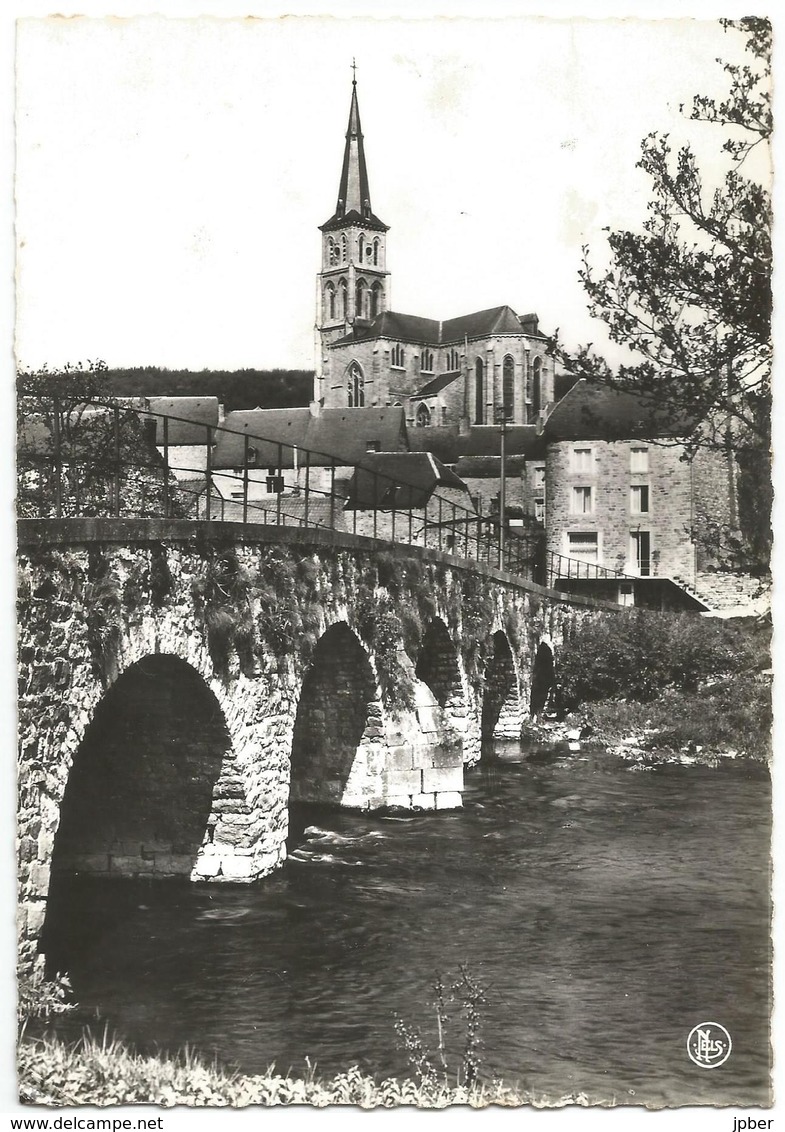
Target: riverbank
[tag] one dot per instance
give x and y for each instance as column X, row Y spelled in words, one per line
column 101, row 1072
column 729, row 718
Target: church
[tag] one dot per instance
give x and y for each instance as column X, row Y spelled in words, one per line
column 475, row 369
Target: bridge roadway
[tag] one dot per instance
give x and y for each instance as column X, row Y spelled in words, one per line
column 185, row 686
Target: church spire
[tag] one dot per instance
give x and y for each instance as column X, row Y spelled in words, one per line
column 353, row 192
column 354, row 197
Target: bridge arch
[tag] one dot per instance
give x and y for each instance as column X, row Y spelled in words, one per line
column 139, row 795
column 543, row 678
column 338, row 713
column 501, row 706
column 437, row 665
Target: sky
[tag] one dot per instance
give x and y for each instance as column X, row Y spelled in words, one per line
column 172, row 173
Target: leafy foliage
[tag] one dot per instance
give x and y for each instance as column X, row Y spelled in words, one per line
column 638, row 654
column 690, row 295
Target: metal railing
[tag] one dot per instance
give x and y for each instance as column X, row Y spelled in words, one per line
column 101, row 458
column 561, row 570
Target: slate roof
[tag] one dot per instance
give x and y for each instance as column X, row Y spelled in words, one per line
column 189, row 417
column 354, row 195
column 591, row 411
column 436, row 384
column 488, row 467
column 413, row 328
column 343, row 434
column 485, row 440
column 405, row 479
column 441, row 440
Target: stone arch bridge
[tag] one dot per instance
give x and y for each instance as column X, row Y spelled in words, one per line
column 186, row 685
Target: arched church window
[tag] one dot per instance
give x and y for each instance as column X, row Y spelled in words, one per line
column 376, row 252
column 342, row 296
column 343, row 249
column 329, row 295
column 359, row 298
column 397, row 357
column 355, row 386
column 376, row 299
column 331, row 250
column 452, row 360
column 479, row 392
column 427, row 361
column 536, row 388
column 508, row 387
column 423, row 416
column 360, row 246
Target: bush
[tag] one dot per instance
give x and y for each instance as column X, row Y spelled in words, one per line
column 639, row 654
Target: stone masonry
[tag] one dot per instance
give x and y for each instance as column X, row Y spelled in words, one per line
column 144, row 752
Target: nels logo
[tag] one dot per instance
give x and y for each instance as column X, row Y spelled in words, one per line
column 709, row 1045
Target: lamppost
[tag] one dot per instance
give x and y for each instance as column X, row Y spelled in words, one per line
column 501, row 420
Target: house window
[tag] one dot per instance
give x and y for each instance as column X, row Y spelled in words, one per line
column 355, row 387
column 639, row 459
column 397, row 356
column 274, row 482
column 252, row 455
column 427, row 361
column 423, row 417
column 373, row 446
column 539, row 478
column 639, row 499
column 582, row 460
column 581, row 501
column 508, row 387
column 539, row 510
column 640, row 552
column 583, row 545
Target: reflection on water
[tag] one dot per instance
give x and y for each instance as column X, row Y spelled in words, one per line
column 607, row 910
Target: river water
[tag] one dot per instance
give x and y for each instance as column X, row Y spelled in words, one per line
column 605, row 909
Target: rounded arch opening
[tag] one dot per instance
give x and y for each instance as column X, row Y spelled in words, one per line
column 138, row 801
column 437, row 664
column 543, row 679
column 140, row 791
column 332, row 716
column 500, row 707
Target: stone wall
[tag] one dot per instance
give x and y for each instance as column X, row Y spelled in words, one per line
column 161, row 684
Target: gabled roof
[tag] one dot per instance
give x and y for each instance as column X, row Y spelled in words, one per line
column 354, row 195
column 414, row 328
column 340, row 434
column 591, row 411
column 190, row 418
column 399, row 479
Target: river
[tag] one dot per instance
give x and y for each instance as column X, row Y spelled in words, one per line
column 605, row 909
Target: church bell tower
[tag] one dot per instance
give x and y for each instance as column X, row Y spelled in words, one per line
column 353, row 284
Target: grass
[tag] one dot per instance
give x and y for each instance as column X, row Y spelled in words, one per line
column 106, row 1072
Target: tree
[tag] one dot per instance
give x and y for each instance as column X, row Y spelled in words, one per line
column 690, row 294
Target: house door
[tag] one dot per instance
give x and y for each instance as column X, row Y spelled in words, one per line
column 640, row 552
